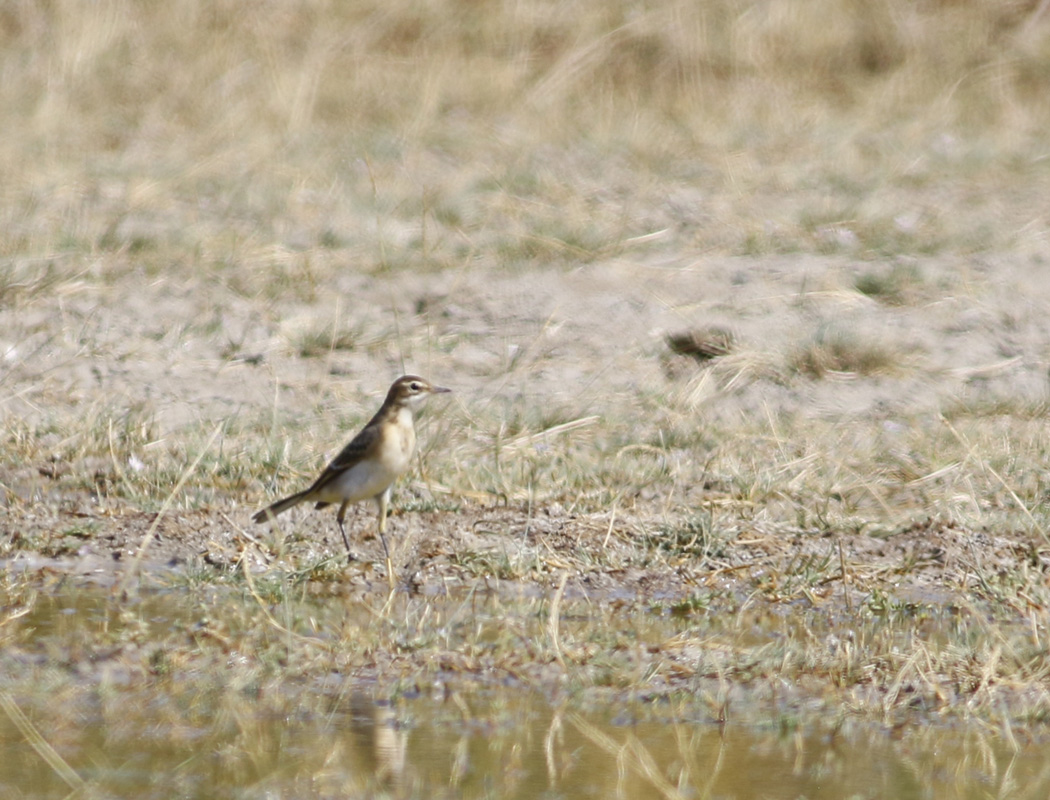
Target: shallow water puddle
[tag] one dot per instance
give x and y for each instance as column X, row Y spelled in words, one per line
column 173, row 695
column 513, row 746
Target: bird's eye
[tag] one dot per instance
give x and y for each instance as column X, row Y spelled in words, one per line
column 415, row 386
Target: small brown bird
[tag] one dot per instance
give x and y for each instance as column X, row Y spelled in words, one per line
column 368, row 466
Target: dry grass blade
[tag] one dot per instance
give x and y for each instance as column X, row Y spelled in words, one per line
column 975, row 456
column 250, row 582
column 632, row 754
column 40, row 744
column 140, row 553
column 529, row 439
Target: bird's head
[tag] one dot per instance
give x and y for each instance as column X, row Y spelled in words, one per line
column 411, row 391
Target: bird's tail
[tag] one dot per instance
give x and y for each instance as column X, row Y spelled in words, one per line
column 279, row 507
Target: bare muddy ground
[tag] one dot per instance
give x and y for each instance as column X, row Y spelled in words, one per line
column 935, row 563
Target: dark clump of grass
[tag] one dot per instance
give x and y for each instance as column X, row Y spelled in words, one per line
column 703, row 344
column 320, row 342
column 899, row 285
column 838, row 350
column 696, row 603
column 693, row 538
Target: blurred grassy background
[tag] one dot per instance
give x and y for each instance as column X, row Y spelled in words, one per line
column 439, row 132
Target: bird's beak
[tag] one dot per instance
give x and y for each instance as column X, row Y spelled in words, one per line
column 439, row 389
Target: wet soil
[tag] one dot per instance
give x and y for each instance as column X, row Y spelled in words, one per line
column 505, row 549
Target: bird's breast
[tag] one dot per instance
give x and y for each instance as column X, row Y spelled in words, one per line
column 399, row 441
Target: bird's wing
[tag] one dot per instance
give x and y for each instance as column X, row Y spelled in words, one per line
column 357, row 449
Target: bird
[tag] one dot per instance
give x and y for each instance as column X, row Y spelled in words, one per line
column 370, row 464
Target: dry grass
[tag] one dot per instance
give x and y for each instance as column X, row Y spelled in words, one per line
column 842, row 350
column 436, row 134
column 224, row 233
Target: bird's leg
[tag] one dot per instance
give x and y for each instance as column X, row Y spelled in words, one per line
column 383, row 499
column 339, row 518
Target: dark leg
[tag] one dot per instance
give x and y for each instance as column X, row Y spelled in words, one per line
column 339, row 518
